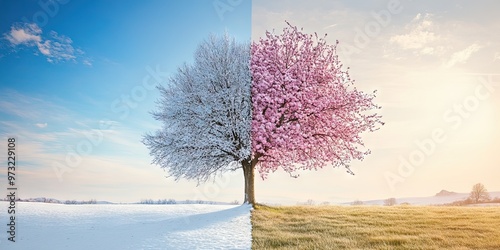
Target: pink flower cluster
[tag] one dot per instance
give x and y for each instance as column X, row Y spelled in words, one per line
column 306, row 113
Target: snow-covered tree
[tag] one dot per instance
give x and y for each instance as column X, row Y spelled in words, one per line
column 205, row 110
column 283, row 101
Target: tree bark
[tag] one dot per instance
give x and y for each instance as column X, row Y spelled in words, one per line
column 249, row 174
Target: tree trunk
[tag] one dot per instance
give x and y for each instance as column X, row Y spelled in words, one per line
column 249, row 174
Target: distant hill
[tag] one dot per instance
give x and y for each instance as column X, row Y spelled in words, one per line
column 443, row 197
column 445, row 193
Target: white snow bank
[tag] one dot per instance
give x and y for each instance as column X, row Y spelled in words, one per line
column 194, row 226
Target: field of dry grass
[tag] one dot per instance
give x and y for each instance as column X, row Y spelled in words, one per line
column 376, row 227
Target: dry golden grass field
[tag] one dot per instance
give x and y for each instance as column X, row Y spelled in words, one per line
column 375, row 227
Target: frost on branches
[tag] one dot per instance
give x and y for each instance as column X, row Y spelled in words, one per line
column 306, row 111
column 206, row 113
column 283, row 101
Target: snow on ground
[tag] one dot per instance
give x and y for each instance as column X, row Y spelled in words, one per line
column 112, row 226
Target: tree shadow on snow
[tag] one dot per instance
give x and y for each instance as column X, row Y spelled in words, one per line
column 200, row 221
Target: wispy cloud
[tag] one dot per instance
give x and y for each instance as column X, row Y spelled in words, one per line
column 330, row 26
column 41, row 125
column 419, row 36
column 435, row 38
column 29, row 107
column 87, row 62
column 463, row 55
column 28, row 35
column 55, row 47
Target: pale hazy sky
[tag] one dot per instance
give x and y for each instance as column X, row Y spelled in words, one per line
column 436, row 67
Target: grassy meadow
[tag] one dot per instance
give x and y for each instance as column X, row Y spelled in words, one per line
column 375, row 227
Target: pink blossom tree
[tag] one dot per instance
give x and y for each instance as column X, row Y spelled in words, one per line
column 306, row 112
column 282, row 102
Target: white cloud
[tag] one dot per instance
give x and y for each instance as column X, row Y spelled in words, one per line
column 330, row 26
column 428, row 51
column 29, row 34
column 55, row 47
column 463, row 55
column 87, row 62
column 44, row 48
column 29, row 107
column 420, row 35
column 41, row 125
column 496, row 57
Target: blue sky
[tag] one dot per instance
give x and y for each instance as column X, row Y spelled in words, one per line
column 76, row 70
column 76, row 91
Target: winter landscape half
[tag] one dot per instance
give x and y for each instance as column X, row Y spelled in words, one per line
column 112, row 226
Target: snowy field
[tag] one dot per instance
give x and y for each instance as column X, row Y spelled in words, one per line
column 57, row 226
